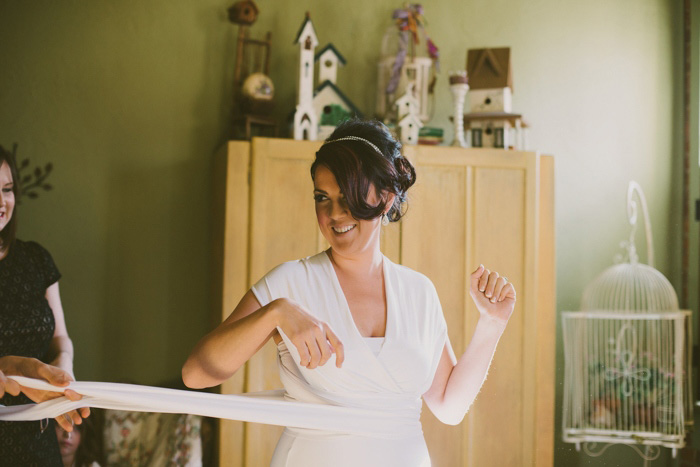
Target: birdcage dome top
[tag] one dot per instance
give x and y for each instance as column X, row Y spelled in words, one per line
column 632, row 287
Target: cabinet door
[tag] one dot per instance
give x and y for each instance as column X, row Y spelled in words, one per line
column 471, row 207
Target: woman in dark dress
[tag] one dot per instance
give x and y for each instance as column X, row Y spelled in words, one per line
column 32, row 331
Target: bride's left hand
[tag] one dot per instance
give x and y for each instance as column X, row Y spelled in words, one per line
column 493, row 295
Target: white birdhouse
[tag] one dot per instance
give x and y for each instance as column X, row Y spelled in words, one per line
column 406, row 104
column 305, row 119
column 328, row 59
column 408, row 127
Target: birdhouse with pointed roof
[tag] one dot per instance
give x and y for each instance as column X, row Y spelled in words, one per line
column 319, row 109
column 490, row 80
column 305, row 119
column 328, row 59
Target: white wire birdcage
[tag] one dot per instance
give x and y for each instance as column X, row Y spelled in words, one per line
column 628, row 357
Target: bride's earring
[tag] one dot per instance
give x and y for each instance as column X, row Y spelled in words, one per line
column 385, row 219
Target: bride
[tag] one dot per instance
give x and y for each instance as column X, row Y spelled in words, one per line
column 352, row 328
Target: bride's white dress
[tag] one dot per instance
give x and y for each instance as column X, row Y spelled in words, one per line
column 387, row 376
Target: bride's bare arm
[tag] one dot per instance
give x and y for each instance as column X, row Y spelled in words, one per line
column 219, row 354
column 457, row 383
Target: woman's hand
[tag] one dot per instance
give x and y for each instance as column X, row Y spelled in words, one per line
column 33, row 368
column 314, row 339
column 493, row 295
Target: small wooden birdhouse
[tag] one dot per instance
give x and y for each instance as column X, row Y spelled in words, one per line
column 244, row 12
column 408, row 128
column 490, row 80
column 328, row 59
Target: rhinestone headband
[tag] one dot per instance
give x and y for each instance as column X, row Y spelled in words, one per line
column 356, row 138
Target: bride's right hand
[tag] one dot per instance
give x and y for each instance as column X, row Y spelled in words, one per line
column 314, row 339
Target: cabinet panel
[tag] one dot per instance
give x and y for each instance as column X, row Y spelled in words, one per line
column 499, row 243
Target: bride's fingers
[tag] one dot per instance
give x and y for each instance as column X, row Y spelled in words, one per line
column 315, row 354
column 498, row 288
column 324, row 347
column 337, row 347
column 484, row 279
column 304, row 355
column 491, row 284
column 475, row 276
column 507, row 290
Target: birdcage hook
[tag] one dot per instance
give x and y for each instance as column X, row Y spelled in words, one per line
column 632, row 214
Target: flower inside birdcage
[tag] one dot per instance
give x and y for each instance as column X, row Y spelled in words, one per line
column 630, row 393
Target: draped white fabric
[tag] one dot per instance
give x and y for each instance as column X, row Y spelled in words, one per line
column 265, row 407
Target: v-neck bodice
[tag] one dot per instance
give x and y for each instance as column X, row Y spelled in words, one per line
column 344, row 306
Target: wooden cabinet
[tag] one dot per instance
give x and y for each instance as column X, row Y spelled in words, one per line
column 468, row 206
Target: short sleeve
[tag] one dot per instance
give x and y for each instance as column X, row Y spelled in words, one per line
column 47, row 268
column 273, row 284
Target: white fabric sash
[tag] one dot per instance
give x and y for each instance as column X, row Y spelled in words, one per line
column 267, row 407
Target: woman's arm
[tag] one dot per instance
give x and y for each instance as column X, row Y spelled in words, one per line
column 219, row 354
column 457, row 383
column 61, row 348
column 61, row 356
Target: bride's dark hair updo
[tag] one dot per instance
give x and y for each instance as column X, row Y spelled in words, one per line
column 357, row 165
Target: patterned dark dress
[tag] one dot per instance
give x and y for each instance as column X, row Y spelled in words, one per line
column 26, row 329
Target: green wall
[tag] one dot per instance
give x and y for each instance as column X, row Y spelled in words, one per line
column 130, row 99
